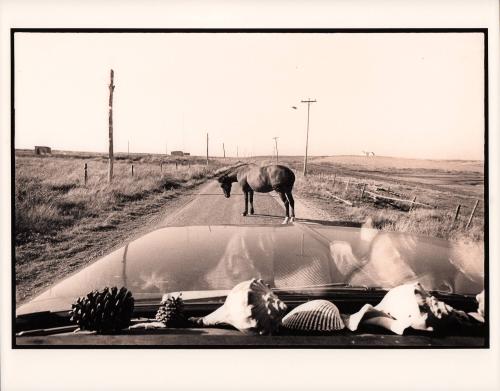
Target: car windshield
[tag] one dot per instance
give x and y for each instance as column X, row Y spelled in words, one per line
column 216, row 258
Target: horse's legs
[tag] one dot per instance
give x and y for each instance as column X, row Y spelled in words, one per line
column 292, row 203
column 245, row 212
column 251, row 202
column 285, row 201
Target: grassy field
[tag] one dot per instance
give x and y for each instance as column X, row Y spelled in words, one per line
column 441, row 184
column 59, row 218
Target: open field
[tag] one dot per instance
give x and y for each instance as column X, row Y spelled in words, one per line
column 62, row 221
column 441, row 184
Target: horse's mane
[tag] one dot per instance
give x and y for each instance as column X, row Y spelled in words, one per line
column 232, row 169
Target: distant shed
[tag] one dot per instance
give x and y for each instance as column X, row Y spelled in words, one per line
column 39, row 150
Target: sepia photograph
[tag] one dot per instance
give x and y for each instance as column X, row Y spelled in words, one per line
column 249, row 188
column 240, row 195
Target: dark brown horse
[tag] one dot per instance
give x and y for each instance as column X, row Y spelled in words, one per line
column 262, row 180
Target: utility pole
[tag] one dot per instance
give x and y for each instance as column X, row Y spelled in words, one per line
column 237, row 151
column 207, row 149
column 110, row 124
column 276, row 144
column 128, row 149
column 166, row 150
column 224, row 150
column 308, row 101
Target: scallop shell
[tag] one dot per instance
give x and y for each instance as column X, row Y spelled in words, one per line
column 315, row 315
column 251, row 307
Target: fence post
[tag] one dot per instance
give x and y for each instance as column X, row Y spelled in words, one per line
column 176, row 164
column 472, row 214
column 161, row 166
column 363, row 190
column 132, row 170
column 334, row 177
column 347, row 186
column 412, row 203
column 457, row 212
column 85, row 174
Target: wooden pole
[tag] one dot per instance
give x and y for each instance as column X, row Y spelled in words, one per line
column 472, row 214
column 363, row 190
column 334, row 178
column 224, row 150
column 347, row 185
column 85, row 174
column 308, row 101
column 207, row 149
column 276, row 144
column 161, row 166
column 132, row 170
column 110, row 125
column 457, row 212
column 412, row 203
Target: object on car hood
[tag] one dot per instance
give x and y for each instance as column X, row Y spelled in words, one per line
column 479, row 315
column 103, row 311
column 251, row 307
column 409, row 305
column 171, row 311
column 315, row 315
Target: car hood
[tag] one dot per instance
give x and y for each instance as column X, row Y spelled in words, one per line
column 202, row 258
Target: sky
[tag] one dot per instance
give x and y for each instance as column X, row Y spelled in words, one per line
column 395, row 94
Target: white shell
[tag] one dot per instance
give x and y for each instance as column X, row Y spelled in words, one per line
column 407, row 305
column 251, row 307
column 315, row 315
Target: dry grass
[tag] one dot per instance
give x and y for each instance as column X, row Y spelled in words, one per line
column 441, row 184
column 59, row 218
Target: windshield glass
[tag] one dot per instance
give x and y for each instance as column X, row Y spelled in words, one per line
column 219, row 257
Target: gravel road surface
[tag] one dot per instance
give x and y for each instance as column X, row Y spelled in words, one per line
column 208, row 206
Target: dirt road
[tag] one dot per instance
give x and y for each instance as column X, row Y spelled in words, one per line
column 208, row 206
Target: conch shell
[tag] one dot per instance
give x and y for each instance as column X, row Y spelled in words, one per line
column 251, row 307
column 409, row 305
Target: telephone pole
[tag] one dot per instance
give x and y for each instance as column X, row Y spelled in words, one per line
column 128, row 149
column 224, row 150
column 110, row 125
column 207, row 149
column 276, row 144
column 308, row 101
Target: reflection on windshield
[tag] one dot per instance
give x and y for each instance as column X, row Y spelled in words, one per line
column 246, row 254
column 386, row 259
column 218, row 258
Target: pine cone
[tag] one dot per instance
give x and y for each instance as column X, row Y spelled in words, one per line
column 108, row 310
column 171, row 312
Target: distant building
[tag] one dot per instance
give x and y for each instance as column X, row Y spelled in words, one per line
column 187, row 154
column 177, row 153
column 39, row 150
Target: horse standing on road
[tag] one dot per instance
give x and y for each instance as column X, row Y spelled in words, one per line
column 262, row 180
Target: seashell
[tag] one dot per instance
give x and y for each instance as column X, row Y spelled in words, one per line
column 410, row 305
column 251, row 307
column 315, row 315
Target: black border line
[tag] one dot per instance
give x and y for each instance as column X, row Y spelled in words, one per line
column 484, row 31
